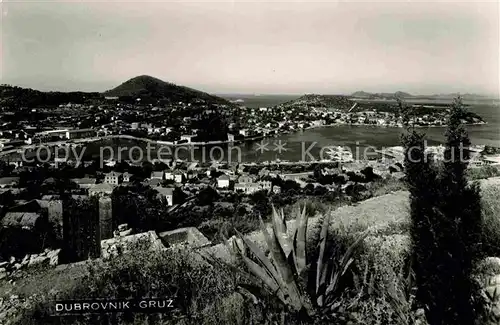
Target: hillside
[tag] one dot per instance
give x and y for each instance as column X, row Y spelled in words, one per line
column 15, row 97
column 145, row 273
column 150, row 88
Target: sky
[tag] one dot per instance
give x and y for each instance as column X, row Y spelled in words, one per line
column 286, row 47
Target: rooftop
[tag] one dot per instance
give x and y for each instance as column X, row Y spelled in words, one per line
column 8, row 180
column 85, row 180
column 80, row 130
column 165, row 190
column 102, row 187
column 20, row 219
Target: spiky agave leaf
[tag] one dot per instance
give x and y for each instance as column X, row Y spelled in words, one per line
column 234, row 245
column 337, row 271
column 231, row 247
column 267, row 237
column 299, row 240
column 284, row 265
column 280, row 231
column 320, row 267
column 279, row 269
column 261, row 273
column 261, row 257
column 250, row 292
column 284, row 268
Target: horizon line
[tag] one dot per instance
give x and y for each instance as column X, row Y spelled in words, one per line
column 236, row 93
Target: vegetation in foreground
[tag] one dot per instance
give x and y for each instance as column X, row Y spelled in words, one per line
column 376, row 288
column 213, row 293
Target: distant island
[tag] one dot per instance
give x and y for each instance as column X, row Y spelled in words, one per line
column 405, row 95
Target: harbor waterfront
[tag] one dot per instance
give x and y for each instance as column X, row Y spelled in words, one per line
column 306, row 145
column 302, row 145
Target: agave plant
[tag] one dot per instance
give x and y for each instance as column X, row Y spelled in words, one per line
column 286, row 264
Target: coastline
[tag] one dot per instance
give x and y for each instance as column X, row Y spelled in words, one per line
column 80, row 142
column 384, row 126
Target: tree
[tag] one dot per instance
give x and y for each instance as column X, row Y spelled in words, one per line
column 139, row 207
column 207, row 196
column 445, row 221
column 261, row 202
column 460, row 208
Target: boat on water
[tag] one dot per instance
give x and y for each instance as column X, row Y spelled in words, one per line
column 339, row 153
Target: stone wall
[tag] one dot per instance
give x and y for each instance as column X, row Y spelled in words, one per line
column 105, row 218
column 123, row 244
column 47, row 257
column 55, row 216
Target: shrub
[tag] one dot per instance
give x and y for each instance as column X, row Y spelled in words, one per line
column 195, row 286
column 490, row 198
column 483, row 172
column 386, row 185
column 382, row 281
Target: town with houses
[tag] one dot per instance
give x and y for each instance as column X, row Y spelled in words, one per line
column 264, row 172
column 183, row 122
column 172, row 202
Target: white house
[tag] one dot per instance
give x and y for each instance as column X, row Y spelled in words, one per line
column 178, row 176
column 113, row 178
column 266, row 185
column 157, row 175
column 169, row 175
column 126, row 177
column 188, row 137
column 492, row 160
column 247, row 188
column 223, row 181
column 80, row 133
column 246, row 179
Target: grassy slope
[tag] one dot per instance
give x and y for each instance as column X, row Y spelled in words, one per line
column 137, row 273
column 380, row 211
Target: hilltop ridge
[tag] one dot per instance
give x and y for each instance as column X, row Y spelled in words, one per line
column 148, row 89
column 151, row 88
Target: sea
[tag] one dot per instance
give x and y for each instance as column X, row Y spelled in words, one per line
column 358, row 138
column 308, row 145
